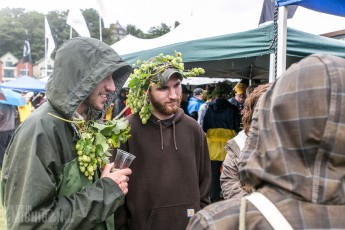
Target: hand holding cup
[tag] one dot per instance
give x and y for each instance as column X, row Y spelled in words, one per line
column 123, row 159
column 120, row 177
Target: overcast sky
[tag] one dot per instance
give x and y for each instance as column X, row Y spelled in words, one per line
column 145, row 14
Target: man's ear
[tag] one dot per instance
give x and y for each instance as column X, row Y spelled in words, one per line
column 148, row 99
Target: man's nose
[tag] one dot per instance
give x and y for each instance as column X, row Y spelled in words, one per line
column 172, row 93
column 110, row 86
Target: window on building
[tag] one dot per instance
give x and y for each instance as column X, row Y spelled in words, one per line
column 8, row 64
column 9, row 73
column 24, row 72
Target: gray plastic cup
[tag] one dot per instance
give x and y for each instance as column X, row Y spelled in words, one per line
column 123, row 159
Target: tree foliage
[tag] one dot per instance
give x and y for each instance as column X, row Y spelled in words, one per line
column 153, row 32
column 14, row 22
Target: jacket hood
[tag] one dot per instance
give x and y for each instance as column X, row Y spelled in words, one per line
column 80, row 64
column 219, row 105
column 296, row 141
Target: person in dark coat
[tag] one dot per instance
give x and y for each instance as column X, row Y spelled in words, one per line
column 7, row 127
column 221, row 123
column 120, row 103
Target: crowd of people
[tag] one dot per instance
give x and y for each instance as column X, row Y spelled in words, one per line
column 12, row 116
column 260, row 156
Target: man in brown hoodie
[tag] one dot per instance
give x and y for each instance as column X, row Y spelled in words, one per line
column 171, row 173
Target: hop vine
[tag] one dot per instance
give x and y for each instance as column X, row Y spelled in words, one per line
column 145, row 74
column 96, row 140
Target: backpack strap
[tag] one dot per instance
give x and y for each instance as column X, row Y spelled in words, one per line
column 267, row 209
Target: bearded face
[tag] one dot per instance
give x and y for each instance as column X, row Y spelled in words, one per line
column 166, row 108
column 166, row 100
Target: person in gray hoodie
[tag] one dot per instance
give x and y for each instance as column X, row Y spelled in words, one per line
column 41, row 185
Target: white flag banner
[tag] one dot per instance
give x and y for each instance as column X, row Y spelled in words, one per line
column 49, row 36
column 103, row 13
column 76, row 20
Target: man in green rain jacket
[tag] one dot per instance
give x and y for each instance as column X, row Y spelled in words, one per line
column 41, row 185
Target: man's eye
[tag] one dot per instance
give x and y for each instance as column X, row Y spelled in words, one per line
column 162, row 88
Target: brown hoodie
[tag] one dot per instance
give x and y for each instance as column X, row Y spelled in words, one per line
column 171, row 173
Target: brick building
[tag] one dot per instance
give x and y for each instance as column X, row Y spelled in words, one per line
column 12, row 67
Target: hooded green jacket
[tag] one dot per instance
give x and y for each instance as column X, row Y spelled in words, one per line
column 41, row 185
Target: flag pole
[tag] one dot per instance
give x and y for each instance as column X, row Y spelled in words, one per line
column 100, row 28
column 26, row 63
column 45, row 47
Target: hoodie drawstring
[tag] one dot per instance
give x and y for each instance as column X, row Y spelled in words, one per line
column 174, row 134
column 161, row 134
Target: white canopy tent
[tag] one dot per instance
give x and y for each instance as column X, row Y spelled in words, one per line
column 198, row 27
column 229, row 56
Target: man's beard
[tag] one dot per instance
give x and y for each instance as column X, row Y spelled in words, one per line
column 164, row 109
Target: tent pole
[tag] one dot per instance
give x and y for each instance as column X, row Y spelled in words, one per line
column 271, row 77
column 282, row 35
column 251, row 74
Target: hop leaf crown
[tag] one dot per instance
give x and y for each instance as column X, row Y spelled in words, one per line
column 148, row 72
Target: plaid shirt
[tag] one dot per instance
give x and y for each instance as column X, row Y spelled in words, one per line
column 295, row 151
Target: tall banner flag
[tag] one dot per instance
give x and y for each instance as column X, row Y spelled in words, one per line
column 76, row 20
column 103, row 13
column 48, row 35
column 267, row 12
column 26, row 50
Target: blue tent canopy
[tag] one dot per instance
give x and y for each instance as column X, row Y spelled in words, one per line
column 335, row 7
column 25, row 83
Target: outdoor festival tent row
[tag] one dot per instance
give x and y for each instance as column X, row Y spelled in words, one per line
column 25, row 84
column 243, row 54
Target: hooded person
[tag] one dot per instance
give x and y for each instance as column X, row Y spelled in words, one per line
column 171, row 173
column 294, row 155
column 221, row 123
column 42, row 186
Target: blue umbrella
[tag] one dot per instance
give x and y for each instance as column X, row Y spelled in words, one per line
column 12, row 98
column 2, row 96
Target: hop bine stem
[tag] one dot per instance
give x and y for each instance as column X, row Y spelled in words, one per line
column 62, row 119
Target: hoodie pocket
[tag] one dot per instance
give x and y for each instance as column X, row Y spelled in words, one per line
column 171, row 217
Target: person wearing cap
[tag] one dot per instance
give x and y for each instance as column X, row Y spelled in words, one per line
column 25, row 110
column 171, row 172
column 42, row 185
column 294, row 155
column 240, row 96
column 195, row 102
